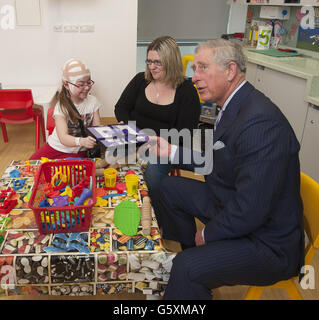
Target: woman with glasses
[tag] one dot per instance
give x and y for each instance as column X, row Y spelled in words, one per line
column 74, row 104
column 160, row 98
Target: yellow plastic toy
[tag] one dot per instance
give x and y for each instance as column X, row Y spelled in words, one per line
column 58, row 179
column 110, row 175
column 44, row 159
column 185, row 59
column 131, row 181
column 61, row 176
column 68, row 191
column 101, row 202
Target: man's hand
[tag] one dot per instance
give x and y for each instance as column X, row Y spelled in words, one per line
column 199, row 238
column 159, row 147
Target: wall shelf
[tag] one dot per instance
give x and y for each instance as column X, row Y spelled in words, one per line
column 313, row 3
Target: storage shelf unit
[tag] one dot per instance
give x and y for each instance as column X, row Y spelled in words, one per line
column 279, row 3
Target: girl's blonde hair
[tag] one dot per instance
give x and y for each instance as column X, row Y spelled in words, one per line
column 72, row 70
column 171, row 60
column 65, row 101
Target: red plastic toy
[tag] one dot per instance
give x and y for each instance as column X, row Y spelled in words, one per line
column 77, row 189
column 129, row 172
column 120, row 187
column 50, row 191
column 6, row 204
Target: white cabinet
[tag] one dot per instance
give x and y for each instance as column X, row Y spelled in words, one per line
column 309, row 152
column 278, row 3
column 314, row 3
column 287, row 92
column 251, row 70
column 275, row 2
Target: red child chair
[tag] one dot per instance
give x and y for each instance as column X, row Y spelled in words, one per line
column 16, row 107
column 50, row 121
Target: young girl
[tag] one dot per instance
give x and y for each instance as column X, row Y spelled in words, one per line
column 66, row 141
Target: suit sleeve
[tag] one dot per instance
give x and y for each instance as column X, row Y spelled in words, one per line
column 263, row 152
column 127, row 100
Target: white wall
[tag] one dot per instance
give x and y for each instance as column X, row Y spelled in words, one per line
column 182, row 19
column 34, row 55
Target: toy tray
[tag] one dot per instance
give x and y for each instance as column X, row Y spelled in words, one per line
column 69, row 218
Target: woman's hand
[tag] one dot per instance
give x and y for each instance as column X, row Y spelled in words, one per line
column 88, row 142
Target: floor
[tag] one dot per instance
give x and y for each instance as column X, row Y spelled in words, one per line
column 21, row 145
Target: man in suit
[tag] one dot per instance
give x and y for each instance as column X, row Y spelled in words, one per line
column 250, row 203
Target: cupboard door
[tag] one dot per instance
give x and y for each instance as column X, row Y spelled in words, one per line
column 251, row 69
column 287, row 92
column 309, row 152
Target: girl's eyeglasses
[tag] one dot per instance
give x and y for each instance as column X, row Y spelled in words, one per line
column 82, row 86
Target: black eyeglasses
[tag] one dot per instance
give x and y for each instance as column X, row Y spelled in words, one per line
column 157, row 63
column 82, row 86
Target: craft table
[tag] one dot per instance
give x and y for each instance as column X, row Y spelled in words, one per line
column 42, row 95
column 97, row 262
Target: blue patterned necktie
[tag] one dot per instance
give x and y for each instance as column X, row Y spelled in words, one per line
column 218, row 119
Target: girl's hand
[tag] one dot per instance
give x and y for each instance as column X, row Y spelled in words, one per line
column 88, row 142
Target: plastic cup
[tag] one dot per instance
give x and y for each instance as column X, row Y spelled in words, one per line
column 131, row 181
column 110, row 175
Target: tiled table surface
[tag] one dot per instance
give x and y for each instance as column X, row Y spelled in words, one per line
column 98, row 262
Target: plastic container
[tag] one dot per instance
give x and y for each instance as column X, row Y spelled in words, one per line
column 131, row 181
column 110, row 175
column 64, row 219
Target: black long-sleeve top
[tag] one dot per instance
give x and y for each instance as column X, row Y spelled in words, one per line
column 182, row 113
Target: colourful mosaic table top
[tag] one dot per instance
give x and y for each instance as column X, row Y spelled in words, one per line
column 98, row 262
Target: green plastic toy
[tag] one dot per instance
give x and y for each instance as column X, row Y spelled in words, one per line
column 127, row 217
column 4, row 221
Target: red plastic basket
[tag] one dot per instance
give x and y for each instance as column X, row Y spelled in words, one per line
column 63, row 219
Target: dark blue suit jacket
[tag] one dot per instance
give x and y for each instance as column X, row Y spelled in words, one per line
column 255, row 181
